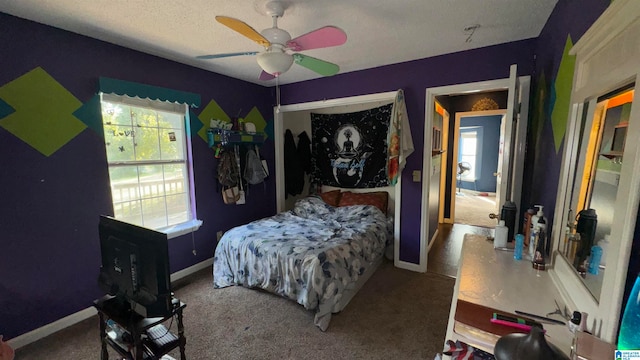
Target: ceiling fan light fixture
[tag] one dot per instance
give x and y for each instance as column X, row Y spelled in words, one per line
column 275, row 63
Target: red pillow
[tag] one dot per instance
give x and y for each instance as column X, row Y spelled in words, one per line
column 331, row 197
column 378, row 199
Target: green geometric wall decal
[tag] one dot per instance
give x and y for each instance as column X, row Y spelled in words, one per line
column 90, row 113
column 5, row 109
column 254, row 116
column 195, row 123
column 563, row 86
column 211, row 111
column 43, row 116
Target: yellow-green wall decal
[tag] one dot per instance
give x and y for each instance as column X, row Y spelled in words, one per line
column 563, row 85
column 43, row 116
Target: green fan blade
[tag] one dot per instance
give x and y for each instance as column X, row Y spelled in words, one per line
column 321, row 67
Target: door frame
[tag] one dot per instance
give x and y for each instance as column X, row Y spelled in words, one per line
column 278, row 139
column 456, row 143
column 519, row 148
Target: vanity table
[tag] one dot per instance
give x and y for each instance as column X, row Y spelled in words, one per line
column 493, row 279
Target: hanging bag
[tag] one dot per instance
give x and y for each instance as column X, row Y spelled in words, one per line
column 254, row 171
column 228, row 176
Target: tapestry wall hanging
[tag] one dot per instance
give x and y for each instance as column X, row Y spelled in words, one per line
column 350, row 150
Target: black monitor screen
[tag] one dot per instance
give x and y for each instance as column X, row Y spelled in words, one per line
column 135, row 266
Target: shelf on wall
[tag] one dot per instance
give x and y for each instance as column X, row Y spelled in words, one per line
column 230, row 137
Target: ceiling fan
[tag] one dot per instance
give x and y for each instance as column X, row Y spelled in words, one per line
column 280, row 50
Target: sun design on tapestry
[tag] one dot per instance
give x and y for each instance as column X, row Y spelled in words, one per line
column 484, row 105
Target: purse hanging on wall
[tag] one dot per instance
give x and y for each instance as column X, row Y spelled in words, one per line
column 230, row 195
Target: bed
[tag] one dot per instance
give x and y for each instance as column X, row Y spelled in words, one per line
column 315, row 254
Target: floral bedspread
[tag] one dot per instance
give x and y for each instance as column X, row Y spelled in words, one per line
column 309, row 254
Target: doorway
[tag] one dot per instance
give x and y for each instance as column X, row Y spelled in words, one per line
column 513, row 146
column 476, row 150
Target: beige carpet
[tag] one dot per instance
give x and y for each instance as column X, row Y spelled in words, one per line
column 473, row 209
column 398, row 314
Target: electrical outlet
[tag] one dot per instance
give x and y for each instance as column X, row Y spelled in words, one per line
column 219, row 235
column 416, row 175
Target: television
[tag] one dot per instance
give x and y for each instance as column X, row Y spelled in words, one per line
column 135, row 267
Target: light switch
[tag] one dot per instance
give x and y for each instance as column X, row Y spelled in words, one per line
column 416, row 175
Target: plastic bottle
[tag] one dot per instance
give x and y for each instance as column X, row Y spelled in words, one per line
column 527, row 224
column 540, row 240
column 501, row 235
column 586, row 227
column 517, row 251
column 604, row 243
column 114, row 331
column 508, row 214
column 594, row 259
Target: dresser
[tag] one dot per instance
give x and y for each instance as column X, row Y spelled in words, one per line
column 493, row 278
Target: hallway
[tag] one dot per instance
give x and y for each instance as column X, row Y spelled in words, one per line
column 445, row 252
column 473, row 208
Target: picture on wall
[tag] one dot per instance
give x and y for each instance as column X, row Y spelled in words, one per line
column 350, row 149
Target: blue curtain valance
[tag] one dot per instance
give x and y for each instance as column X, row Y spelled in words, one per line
column 132, row 89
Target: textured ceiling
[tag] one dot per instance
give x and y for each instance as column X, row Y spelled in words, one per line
column 378, row 32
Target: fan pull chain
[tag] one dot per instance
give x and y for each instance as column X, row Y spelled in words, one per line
column 277, row 95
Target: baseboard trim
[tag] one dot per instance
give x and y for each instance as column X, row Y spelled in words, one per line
column 408, row 266
column 46, row 330
column 178, row 275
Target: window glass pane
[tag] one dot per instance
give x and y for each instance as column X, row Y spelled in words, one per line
column 170, row 120
column 178, row 208
column 119, row 141
column 116, row 114
column 147, row 144
column 151, row 181
column 129, row 211
column 154, row 210
column 172, row 144
column 144, row 117
column 124, row 183
column 471, row 173
column 174, row 178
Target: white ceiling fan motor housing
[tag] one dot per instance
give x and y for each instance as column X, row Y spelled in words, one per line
column 276, row 35
column 275, row 60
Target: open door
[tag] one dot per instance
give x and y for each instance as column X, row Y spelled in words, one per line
column 504, row 175
column 498, row 173
column 443, row 165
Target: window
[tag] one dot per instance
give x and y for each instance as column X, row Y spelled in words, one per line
column 149, row 159
column 468, row 153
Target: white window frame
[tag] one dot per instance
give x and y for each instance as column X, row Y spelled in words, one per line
column 192, row 224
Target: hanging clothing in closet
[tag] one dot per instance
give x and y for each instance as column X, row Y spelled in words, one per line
column 304, row 152
column 293, row 171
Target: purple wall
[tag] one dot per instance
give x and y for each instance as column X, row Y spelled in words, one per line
column 50, row 255
column 542, row 168
column 414, row 78
column 50, row 205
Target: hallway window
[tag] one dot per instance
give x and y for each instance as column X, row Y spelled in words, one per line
column 468, row 153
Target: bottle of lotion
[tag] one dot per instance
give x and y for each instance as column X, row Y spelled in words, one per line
column 541, row 240
column 501, row 235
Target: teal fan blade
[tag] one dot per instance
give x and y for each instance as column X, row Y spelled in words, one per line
column 217, row 56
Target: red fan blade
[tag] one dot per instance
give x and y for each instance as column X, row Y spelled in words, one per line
column 321, row 38
column 265, row 76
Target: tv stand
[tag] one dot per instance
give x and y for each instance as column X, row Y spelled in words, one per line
column 146, row 340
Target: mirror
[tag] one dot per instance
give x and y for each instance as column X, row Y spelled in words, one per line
column 599, row 154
